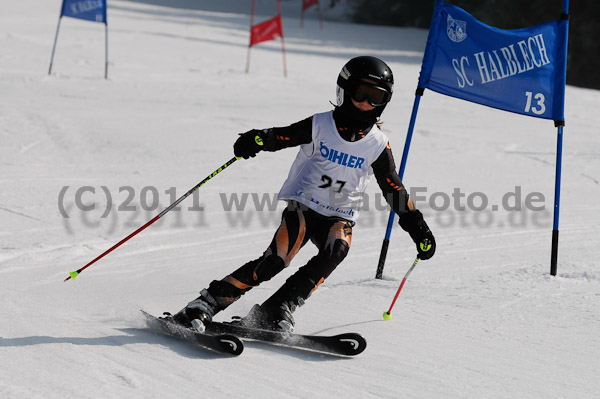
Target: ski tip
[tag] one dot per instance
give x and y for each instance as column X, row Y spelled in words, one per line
column 387, row 316
column 232, row 344
column 354, row 344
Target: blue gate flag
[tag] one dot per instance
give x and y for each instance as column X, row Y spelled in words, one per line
column 90, row 10
column 521, row 70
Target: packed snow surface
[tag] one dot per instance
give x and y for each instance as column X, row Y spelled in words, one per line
column 86, row 160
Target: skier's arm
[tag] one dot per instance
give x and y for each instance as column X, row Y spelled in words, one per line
column 273, row 139
column 393, row 190
column 411, row 219
column 297, row 133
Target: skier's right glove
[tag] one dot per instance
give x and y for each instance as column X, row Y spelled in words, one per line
column 248, row 144
column 413, row 223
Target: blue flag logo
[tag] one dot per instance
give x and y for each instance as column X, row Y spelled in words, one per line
column 90, row 10
column 457, row 30
column 522, row 70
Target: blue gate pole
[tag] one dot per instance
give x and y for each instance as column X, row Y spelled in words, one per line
column 54, row 46
column 554, row 256
column 559, row 143
column 388, row 232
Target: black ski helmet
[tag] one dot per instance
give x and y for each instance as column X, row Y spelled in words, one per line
column 354, row 74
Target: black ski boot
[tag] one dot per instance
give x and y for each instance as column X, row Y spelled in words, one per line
column 198, row 312
column 274, row 318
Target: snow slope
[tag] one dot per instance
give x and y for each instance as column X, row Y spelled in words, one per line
column 483, row 318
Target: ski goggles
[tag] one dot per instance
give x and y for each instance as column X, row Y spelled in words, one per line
column 375, row 95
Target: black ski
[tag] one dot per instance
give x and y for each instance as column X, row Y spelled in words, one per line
column 221, row 343
column 348, row 344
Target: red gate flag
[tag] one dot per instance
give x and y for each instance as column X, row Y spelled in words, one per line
column 265, row 31
column 269, row 30
column 306, row 4
column 309, row 3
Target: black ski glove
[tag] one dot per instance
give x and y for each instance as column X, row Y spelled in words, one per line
column 412, row 222
column 248, row 144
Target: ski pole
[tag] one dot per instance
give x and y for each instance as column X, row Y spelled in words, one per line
column 387, row 315
column 74, row 274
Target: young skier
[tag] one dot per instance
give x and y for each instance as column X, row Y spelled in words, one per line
column 338, row 151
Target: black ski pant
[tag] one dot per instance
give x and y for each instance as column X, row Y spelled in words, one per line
column 332, row 237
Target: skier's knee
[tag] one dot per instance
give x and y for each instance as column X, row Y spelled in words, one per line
column 256, row 271
column 339, row 251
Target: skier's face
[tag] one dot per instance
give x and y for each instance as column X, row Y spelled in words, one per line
column 363, row 105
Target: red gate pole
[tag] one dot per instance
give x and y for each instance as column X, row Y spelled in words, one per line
column 320, row 15
column 250, row 40
column 282, row 42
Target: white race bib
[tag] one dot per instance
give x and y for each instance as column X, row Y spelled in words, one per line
column 330, row 174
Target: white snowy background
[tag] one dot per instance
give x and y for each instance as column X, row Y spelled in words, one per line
column 482, row 319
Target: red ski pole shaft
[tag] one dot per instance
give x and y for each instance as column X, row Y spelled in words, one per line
column 74, row 274
column 387, row 315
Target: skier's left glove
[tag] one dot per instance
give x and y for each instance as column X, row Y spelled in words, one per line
column 248, row 144
column 413, row 223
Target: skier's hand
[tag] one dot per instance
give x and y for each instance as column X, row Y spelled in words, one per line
column 413, row 223
column 248, row 144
